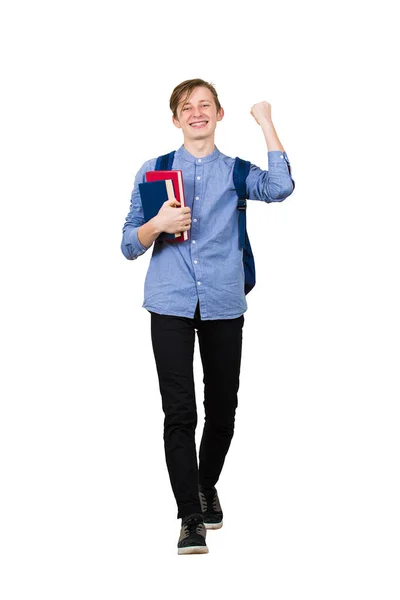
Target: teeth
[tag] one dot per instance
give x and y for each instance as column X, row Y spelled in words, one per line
column 198, row 124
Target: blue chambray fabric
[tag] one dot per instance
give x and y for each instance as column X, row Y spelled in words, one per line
column 209, row 266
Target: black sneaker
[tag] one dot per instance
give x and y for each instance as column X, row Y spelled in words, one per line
column 192, row 539
column 211, row 508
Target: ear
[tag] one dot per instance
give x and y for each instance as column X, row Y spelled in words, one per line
column 220, row 115
column 176, row 122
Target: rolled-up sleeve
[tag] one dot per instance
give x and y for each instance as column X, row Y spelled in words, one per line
column 131, row 247
column 273, row 185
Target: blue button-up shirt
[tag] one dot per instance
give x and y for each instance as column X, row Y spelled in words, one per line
column 209, row 266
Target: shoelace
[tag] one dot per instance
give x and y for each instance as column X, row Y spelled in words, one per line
column 193, row 524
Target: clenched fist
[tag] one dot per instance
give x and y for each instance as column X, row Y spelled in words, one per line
column 261, row 112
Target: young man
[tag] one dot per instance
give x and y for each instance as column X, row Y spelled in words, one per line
column 198, row 285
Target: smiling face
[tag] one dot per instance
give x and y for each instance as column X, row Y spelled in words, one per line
column 198, row 117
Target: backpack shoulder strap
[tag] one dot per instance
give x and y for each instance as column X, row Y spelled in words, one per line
column 240, row 171
column 164, row 162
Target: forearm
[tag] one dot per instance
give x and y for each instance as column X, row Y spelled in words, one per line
column 271, row 137
column 148, row 232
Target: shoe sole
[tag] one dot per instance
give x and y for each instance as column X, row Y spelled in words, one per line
column 193, row 550
column 214, row 525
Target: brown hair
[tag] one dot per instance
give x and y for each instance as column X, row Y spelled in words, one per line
column 187, row 87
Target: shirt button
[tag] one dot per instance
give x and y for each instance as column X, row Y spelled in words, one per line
column 197, row 198
column 195, row 262
column 281, row 155
column 194, row 241
column 198, row 176
column 199, row 159
column 199, row 282
column 195, row 220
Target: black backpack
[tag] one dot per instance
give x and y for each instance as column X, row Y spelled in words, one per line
column 240, row 172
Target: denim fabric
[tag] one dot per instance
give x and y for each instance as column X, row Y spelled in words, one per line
column 209, row 266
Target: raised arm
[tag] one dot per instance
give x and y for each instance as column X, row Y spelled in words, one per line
column 276, row 184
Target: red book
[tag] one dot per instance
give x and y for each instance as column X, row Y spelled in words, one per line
column 179, row 193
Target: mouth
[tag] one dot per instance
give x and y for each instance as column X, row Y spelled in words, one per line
column 198, row 124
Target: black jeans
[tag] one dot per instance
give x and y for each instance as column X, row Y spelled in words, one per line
column 220, row 344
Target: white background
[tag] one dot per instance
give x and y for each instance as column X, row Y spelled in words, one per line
column 310, row 486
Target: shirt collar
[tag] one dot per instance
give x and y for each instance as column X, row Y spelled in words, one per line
column 183, row 153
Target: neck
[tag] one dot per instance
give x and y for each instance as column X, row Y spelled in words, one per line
column 200, row 148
